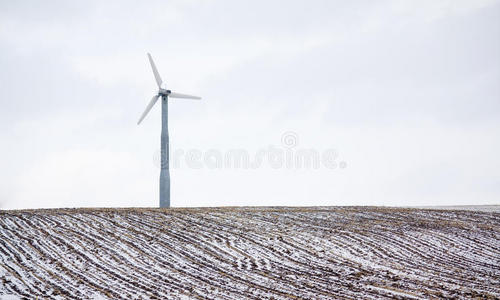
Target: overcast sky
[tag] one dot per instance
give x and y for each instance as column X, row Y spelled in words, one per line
column 406, row 92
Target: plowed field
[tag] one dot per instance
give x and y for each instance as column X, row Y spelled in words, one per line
column 250, row 253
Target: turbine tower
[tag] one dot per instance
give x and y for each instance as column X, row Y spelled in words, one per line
column 164, row 94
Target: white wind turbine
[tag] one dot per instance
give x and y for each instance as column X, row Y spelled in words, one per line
column 164, row 94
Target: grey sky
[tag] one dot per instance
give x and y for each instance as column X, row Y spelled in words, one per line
column 407, row 93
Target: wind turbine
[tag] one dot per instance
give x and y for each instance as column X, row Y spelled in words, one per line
column 164, row 94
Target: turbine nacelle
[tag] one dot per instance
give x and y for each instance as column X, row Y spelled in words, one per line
column 164, row 92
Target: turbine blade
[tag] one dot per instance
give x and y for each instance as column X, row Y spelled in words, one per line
column 177, row 95
column 148, row 108
column 155, row 71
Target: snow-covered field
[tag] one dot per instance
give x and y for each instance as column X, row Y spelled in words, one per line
column 259, row 253
column 487, row 208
